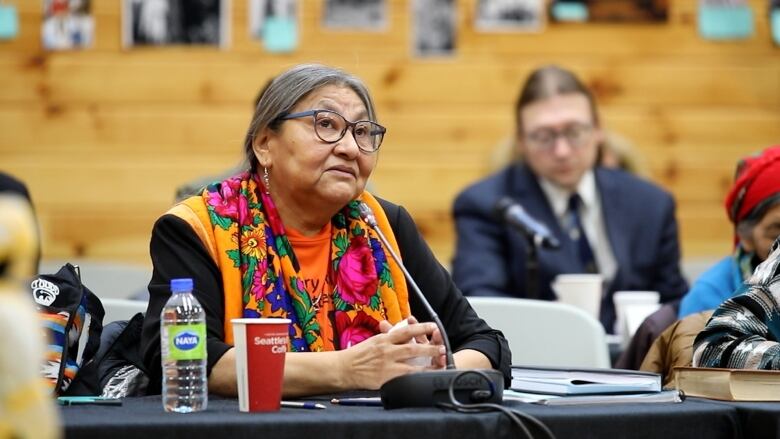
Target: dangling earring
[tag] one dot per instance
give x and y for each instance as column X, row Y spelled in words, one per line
column 265, row 180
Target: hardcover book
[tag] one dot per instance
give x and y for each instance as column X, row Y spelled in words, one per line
column 729, row 384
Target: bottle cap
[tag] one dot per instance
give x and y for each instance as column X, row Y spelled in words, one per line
column 181, row 285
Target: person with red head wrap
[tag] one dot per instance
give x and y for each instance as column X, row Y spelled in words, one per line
column 753, row 206
column 743, row 332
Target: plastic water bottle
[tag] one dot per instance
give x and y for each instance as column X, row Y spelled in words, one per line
column 183, row 346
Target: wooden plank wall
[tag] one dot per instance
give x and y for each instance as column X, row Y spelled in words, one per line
column 104, row 136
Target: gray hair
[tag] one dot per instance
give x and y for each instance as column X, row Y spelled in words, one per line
column 745, row 227
column 287, row 89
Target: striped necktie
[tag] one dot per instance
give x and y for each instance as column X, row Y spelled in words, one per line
column 573, row 226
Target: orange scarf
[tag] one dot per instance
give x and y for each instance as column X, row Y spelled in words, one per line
column 241, row 228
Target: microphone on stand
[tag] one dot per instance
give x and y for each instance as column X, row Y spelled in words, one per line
column 513, row 214
column 536, row 235
column 430, row 388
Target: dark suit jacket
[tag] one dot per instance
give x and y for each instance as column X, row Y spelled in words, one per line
column 490, row 257
column 178, row 252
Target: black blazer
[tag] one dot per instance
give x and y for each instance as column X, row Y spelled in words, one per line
column 177, row 252
column 490, row 257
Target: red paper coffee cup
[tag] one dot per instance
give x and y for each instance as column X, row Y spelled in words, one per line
column 260, row 348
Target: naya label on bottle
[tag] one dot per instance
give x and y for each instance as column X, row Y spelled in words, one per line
column 187, row 342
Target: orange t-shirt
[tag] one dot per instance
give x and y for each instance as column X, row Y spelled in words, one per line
column 313, row 253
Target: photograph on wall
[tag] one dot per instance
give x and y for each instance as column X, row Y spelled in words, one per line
column 610, row 10
column 510, row 15
column 366, row 15
column 275, row 23
column 67, row 24
column 175, row 22
column 434, row 27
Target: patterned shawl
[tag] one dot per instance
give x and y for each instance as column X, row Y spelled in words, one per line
column 241, row 228
column 744, row 332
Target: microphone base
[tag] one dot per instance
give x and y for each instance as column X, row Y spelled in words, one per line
column 427, row 389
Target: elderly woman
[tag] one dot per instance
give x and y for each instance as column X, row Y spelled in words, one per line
column 285, row 239
column 753, row 206
column 744, row 331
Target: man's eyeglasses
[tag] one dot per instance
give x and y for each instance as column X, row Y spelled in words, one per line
column 577, row 135
column 331, row 127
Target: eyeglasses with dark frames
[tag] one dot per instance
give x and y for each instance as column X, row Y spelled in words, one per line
column 331, row 127
column 577, row 135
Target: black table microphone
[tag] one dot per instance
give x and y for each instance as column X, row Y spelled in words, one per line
column 428, row 389
column 513, row 214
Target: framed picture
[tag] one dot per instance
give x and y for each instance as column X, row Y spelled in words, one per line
column 510, row 15
column 433, row 27
column 67, row 24
column 367, row 15
column 175, row 22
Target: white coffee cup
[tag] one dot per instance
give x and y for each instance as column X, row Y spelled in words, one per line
column 632, row 307
column 581, row 290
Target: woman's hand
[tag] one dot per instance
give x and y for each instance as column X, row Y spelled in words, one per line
column 438, row 362
column 382, row 357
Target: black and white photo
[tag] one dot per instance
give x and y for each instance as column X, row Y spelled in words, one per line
column 510, row 15
column 434, row 27
column 369, row 15
column 175, row 22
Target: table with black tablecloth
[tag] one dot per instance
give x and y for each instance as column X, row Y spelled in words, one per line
column 758, row 420
column 144, row 417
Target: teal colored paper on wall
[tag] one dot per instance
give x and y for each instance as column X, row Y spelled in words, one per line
column 9, row 22
column 564, row 11
column 725, row 22
column 774, row 23
column 280, row 34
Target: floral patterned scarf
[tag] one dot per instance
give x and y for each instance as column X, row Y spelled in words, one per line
column 241, row 228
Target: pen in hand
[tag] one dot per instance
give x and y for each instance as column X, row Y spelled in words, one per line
column 303, row 405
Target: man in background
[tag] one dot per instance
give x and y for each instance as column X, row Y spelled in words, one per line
column 607, row 221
